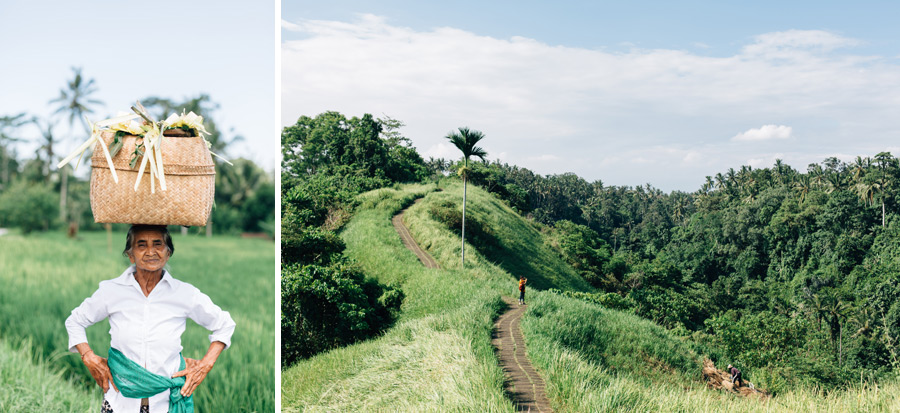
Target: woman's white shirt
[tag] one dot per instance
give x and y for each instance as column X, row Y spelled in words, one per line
column 147, row 329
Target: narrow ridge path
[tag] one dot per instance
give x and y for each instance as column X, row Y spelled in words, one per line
column 523, row 384
column 427, row 260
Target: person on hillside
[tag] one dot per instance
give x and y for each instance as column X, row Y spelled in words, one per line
column 736, row 379
column 522, row 282
column 147, row 308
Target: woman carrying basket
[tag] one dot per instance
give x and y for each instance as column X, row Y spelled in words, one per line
column 147, row 308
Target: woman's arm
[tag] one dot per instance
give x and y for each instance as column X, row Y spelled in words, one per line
column 91, row 310
column 217, row 321
column 97, row 366
column 195, row 370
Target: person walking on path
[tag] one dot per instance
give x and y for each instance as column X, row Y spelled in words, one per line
column 522, row 282
column 735, row 376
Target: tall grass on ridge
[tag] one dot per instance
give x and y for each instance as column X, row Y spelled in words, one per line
column 521, row 249
column 437, row 357
column 603, row 360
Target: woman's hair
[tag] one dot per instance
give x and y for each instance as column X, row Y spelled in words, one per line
column 162, row 229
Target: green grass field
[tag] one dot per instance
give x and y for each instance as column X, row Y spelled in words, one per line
column 45, row 276
column 438, row 356
column 32, row 386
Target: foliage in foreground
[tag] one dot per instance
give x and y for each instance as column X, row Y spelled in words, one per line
column 31, row 385
column 327, row 301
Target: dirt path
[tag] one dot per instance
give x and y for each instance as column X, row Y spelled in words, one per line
column 524, row 386
column 523, row 383
column 410, row 243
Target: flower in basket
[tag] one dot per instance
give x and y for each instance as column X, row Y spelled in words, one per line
column 186, row 121
column 191, row 122
column 125, row 127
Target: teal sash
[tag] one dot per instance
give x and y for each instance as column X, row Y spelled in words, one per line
column 136, row 382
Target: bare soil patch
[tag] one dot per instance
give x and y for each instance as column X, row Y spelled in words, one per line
column 721, row 380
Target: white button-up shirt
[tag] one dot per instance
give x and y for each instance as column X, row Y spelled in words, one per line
column 147, row 329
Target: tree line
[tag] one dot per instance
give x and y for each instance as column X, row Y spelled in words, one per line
column 792, row 274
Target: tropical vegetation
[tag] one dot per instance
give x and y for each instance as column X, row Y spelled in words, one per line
column 788, row 274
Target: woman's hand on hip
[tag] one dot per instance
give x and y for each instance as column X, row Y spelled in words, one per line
column 99, row 370
column 194, row 373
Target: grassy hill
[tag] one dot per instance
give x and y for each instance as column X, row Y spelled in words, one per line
column 438, row 356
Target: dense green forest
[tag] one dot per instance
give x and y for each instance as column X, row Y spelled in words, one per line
column 791, row 274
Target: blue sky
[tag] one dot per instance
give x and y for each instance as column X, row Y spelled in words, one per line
column 132, row 50
column 628, row 93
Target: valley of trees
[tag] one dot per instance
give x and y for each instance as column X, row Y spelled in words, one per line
column 790, row 273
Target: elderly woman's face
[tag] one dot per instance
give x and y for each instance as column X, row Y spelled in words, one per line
column 149, row 251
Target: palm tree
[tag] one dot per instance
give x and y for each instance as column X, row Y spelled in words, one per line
column 802, row 186
column 866, row 192
column 883, row 160
column 708, row 184
column 48, row 139
column 75, row 101
column 7, row 125
column 465, row 139
column 859, row 167
column 779, row 170
column 720, row 181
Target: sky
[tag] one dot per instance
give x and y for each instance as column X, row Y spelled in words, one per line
column 172, row 49
column 628, row 93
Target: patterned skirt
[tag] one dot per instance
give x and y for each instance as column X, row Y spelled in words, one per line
column 106, row 408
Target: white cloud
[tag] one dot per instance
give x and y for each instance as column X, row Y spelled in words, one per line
column 764, row 133
column 442, row 150
column 286, row 25
column 768, row 160
column 777, row 44
column 525, row 95
column 692, row 157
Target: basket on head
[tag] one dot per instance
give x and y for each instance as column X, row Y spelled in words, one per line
column 190, row 184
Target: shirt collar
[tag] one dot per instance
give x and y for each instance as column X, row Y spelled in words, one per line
column 127, row 277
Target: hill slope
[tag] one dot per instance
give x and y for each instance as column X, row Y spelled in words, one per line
column 438, row 355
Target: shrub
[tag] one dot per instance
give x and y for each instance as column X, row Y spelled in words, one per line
column 323, row 307
column 479, row 235
column 28, row 206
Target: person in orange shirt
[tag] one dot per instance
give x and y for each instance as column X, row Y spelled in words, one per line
column 522, row 282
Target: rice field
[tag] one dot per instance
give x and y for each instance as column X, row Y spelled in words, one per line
column 46, row 275
column 32, row 386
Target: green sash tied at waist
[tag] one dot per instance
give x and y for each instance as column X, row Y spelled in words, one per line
column 136, row 382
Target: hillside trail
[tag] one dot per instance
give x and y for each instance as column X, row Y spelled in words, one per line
column 523, row 384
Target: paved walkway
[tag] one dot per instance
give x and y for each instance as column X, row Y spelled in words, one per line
column 524, row 386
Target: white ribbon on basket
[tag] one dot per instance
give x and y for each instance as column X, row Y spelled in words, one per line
column 96, row 137
column 152, row 143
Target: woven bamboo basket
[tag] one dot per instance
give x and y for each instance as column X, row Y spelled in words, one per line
column 190, row 184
